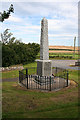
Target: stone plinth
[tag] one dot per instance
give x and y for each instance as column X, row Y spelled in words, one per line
column 44, row 68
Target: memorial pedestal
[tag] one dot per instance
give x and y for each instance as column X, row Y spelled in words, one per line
column 44, row 67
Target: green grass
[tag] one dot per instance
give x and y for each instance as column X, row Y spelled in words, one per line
column 64, row 56
column 73, row 75
column 34, row 64
column 32, row 68
column 21, row 103
column 31, row 71
column 15, row 73
column 10, row 74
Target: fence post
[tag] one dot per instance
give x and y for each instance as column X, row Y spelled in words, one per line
column 50, row 83
column 19, row 76
column 67, row 78
column 56, row 70
column 27, row 77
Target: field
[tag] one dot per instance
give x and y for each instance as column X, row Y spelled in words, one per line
column 66, row 48
column 62, row 52
column 21, row 103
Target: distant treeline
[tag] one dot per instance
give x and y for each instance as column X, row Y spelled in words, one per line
column 19, row 53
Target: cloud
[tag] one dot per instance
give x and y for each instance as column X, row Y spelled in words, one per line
column 14, row 19
column 40, row 1
column 25, row 21
column 60, row 35
column 62, row 27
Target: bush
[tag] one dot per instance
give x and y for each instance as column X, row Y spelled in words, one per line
column 8, row 56
column 21, row 53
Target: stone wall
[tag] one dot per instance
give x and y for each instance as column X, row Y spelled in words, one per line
column 11, row 68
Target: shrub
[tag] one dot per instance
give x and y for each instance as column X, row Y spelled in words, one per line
column 19, row 53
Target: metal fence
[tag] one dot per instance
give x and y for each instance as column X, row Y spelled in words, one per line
column 30, row 80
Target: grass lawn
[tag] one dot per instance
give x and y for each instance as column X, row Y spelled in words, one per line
column 73, row 75
column 15, row 73
column 21, row 103
column 18, row 102
column 10, row 74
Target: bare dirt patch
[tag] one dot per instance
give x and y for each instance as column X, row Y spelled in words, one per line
column 73, row 83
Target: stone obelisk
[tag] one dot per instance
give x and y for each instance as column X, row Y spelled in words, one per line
column 44, row 65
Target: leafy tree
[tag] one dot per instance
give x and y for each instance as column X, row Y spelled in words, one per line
column 6, row 36
column 5, row 15
column 16, row 52
column 35, row 47
column 8, row 56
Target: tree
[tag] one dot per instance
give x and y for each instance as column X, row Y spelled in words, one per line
column 6, row 36
column 15, row 52
column 8, row 56
column 35, row 47
column 5, row 15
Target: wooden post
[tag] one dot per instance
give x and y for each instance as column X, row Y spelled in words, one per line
column 67, row 78
column 19, row 77
column 27, row 77
column 56, row 70
column 50, row 83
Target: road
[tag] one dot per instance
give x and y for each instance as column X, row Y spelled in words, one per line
column 65, row 64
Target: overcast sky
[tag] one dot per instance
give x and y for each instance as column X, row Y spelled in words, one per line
column 25, row 22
